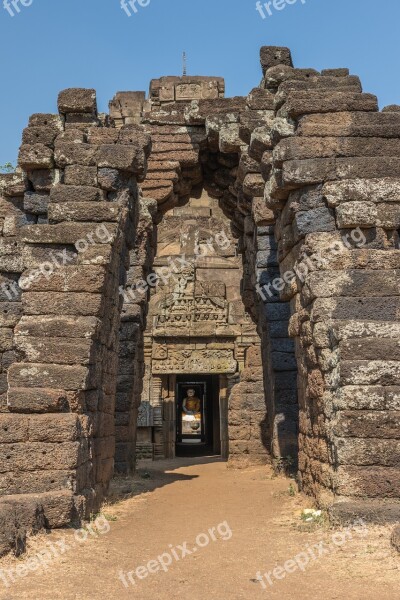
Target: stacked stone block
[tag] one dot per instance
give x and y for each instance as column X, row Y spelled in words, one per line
column 133, row 321
column 333, row 189
column 80, row 191
column 247, row 423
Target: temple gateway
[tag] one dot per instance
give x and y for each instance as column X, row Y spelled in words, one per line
column 194, row 275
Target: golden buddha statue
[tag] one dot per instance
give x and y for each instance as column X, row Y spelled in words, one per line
column 191, row 404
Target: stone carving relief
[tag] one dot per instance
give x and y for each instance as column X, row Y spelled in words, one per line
column 195, row 361
column 145, row 416
column 189, row 303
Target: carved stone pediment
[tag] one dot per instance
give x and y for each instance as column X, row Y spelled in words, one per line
column 192, row 303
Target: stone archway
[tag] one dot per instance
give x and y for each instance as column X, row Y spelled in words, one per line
column 197, row 324
column 205, row 139
column 306, row 169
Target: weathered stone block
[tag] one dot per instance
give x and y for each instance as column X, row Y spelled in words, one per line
column 260, row 142
column 275, row 55
column 253, row 185
column 385, row 125
column 6, row 339
column 10, row 313
column 58, row 428
column 35, row 156
column 46, row 120
column 39, row 400
column 67, row 153
column 60, row 326
column 370, row 349
column 77, row 100
column 376, row 372
column 363, row 424
column 34, row 456
column 82, row 304
column 357, row 214
column 82, row 211
column 370, row 481
column 260, row 99
column 13, row 428
column 31, row 375
column 229, row 138
column 254, row 119
column 36, row 203
column 298, row 103
column 42, row 179
column 113, row 180
column 70, row 193
column 40, row 135
column 356, row 309
column 69, row 233
column 78, row 175
column 323, row 284
column 127, row 158
column 35, row 482
column 56, row 350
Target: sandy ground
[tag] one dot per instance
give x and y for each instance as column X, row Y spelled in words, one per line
column 213, row 528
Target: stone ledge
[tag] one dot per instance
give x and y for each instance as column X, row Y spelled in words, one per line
column 27, row 514
column 373, row 511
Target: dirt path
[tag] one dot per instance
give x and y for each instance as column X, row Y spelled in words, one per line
column 240, row 522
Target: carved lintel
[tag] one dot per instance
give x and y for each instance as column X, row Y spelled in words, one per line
column 196, row 361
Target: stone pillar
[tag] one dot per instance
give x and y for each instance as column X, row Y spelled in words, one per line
column 169, row 412
column 157, row 409
column 223, row 416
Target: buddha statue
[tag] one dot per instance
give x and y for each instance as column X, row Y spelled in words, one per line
column 191, row 404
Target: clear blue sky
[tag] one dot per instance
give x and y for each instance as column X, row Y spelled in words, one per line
column 55, row 44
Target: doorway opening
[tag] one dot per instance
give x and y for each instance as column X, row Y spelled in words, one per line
column 198, row 431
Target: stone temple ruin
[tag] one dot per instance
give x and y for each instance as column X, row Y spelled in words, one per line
column 243, row 248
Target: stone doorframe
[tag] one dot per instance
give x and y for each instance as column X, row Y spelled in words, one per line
column 163, row 409
column 169, row 414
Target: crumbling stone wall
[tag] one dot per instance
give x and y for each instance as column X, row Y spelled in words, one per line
column 72, row 216
column 306, row 169
column 334, row 189
column 131, row 349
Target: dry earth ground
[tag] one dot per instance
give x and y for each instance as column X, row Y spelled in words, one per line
column 170, row 503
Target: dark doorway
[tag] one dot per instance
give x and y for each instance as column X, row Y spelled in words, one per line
column 197, row 415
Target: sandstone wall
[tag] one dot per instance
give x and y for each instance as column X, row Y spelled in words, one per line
column 70, row 219
column 334, row 189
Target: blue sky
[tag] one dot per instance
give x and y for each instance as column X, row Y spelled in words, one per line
column 54, row 44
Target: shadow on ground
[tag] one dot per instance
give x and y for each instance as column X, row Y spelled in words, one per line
column 151, row 475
